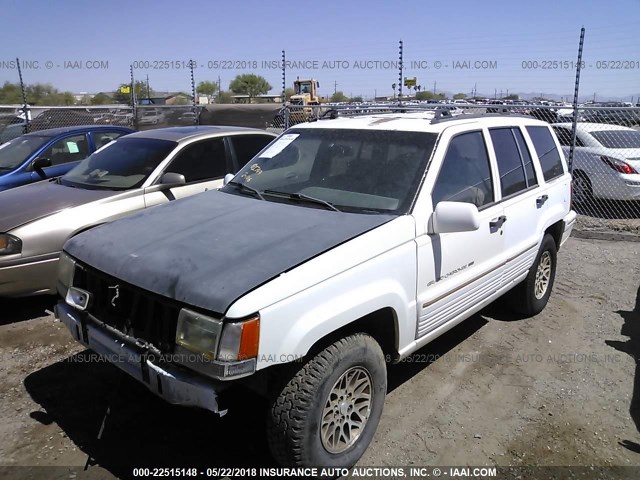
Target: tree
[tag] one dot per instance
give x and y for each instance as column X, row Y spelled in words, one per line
column 140, row 88
column 459, row 96
column 224, row 97
column 101, row 99
column 207, row 88
column 339, row 97
column 513, row 96
column 10, row 93
column 428, row 95
column 357, row 99
column 249, row 84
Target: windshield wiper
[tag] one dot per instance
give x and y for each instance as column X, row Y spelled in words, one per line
column 302, row 197
column 5, row 168
column 246, row 188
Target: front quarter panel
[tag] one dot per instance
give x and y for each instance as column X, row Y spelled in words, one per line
column 373, row 271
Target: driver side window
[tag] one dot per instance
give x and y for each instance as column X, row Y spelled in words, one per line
column 465, row 174
column 204, row 160
column 69, row 149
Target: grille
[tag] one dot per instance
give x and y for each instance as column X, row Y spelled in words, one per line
column 129, row 309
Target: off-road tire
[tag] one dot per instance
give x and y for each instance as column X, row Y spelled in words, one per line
column 523, row 298
column 298, row 402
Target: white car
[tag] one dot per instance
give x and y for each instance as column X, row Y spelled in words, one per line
column 150, row 116
column 606, row 161
column 344, row 244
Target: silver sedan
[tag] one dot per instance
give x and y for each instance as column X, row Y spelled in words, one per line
column 127, row 175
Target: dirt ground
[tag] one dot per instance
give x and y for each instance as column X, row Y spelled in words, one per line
column 560, row 389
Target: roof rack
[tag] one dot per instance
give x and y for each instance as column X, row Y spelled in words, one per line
column 438, row 113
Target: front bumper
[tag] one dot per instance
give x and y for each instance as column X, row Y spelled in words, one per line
column 174, row 384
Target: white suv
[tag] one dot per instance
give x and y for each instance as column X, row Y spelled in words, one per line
column 344, row 244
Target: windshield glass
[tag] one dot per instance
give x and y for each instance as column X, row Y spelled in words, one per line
column 16, row 151
column 618, row 138
column 353, row 170
column 122, row 164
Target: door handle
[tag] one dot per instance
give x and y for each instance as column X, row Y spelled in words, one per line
column 541, row 200
column 497, row 222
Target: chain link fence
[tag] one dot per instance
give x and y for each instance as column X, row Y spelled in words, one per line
column 605, row 161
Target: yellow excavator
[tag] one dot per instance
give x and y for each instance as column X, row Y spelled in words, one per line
column 301, row 103
column 306, row 92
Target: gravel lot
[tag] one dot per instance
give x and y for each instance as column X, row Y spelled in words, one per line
column 560, row 389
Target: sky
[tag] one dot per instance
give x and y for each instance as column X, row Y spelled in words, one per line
column 455, row 46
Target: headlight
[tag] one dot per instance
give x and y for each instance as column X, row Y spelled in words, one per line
column 240, row 340
column 66, row 272
column 9, row 244
column 198, row 333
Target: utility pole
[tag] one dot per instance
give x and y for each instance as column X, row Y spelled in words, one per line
column 434, row 88
column 148, row 90
column 219, row 89
column 495, row 93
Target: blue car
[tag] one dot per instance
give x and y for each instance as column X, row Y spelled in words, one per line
column 51, row 153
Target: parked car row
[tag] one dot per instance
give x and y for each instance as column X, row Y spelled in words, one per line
column 97, row 174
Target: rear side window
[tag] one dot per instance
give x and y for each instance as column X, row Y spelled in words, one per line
column 548, row 154
column 512, row 177
column 246, row 146
column 529, row 171
column 465, row 175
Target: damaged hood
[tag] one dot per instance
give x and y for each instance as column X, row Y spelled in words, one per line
column 210, row 249
column 25, row 204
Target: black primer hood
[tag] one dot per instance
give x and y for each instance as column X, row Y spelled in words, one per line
column 210, row 249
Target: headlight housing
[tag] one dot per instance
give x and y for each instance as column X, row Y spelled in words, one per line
column 198, row 333
column 218, row 340
column 66, row 272
column 9, row 244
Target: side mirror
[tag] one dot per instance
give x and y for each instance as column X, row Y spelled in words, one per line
column 40, row 163
column 227, row 178
column 172, row 179
column 451, row 217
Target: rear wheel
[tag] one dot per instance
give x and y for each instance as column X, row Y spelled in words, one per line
column 532, row 295
column 327, row 413
column 582, row 188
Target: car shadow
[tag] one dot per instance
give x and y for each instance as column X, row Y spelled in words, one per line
column 15, row 310
column 631, row 329
column 402, row 372
column 143, row 430
column 609, row 209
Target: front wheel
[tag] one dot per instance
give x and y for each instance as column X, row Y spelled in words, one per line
column 327, row 413
column 532, row 295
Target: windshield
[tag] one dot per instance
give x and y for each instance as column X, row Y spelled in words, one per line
column 122, row 164
column 353, row 170
column 618, row 138
column 16, row 151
